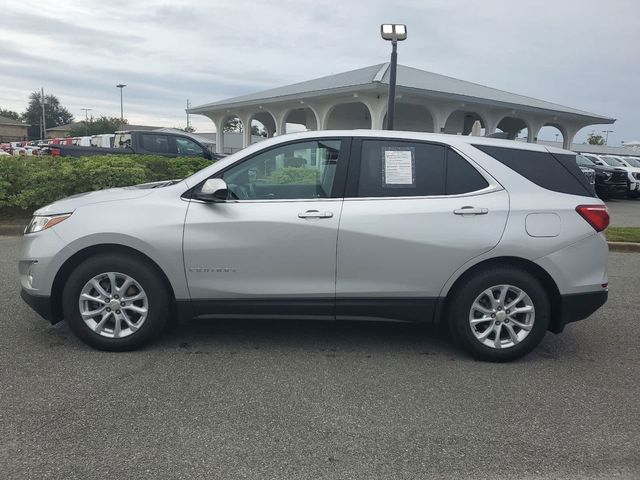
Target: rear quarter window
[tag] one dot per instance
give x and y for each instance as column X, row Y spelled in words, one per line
column 559, row 173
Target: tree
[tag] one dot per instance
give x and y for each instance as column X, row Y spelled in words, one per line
column 258, row 131
column 9, row 114
column 595, row 139
column 54, row 113
column 233, row 125
column 100, row 125
column 189, row 129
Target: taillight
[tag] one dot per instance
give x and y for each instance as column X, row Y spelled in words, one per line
column 55, row 152
column 596, row 215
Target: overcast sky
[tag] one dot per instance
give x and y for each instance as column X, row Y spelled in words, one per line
column 579, row 53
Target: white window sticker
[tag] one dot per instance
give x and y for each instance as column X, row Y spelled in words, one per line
column 399, row 167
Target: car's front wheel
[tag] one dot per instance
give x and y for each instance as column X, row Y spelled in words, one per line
column 115, row 302
column 499, row 314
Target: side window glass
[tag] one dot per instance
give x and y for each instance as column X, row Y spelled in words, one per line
column 296, row 171
column 462, row 177
column 155, row 143
column 401, row 169
column 186, row 146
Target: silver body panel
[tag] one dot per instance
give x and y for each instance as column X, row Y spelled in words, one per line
column 392, row 247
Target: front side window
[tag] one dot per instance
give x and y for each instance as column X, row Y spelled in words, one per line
column 187, row 147
column 303, row 170
column 155, row 143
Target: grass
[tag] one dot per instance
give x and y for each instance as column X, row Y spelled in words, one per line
column 623, row 234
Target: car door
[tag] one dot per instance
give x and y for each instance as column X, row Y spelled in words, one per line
column 413, row 213
column 271, row 247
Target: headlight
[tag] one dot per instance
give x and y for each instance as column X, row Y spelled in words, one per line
column 607, row 175
column 39, row 223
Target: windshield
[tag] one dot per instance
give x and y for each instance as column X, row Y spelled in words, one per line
column 584, row 161
column 614, row 162
column 633, row 162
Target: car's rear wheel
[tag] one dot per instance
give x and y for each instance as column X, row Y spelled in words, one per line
column 115, row 302
column 499, row 314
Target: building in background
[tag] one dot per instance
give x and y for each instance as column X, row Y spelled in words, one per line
column 12, row 130
column 426, row 102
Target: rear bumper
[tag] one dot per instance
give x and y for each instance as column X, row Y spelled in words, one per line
column 578, row 306
column 40, row 304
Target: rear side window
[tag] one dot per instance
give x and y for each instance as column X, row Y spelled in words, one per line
column 542, row 168
column 461, row 176
column 155, row 143
column 401, row 169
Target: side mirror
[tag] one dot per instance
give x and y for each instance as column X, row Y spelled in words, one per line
column 213, row 190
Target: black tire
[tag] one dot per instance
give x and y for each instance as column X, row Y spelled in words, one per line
column 466, row 292
column 138, row 269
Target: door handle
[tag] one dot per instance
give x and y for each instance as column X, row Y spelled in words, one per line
column 315, row 214
column 468, row 210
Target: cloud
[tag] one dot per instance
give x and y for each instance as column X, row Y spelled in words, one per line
column 574, row 52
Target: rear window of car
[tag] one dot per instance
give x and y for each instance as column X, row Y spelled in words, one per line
column 155, row 143
column 556, row 172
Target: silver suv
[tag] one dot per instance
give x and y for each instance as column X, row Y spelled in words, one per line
column 501, row 240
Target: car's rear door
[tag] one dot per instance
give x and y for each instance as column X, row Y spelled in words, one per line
column 414, row 212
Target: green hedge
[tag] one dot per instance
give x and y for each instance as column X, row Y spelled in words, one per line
column 30, row 182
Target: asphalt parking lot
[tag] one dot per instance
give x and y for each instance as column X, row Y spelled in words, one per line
column 283, row 399
column 624, row 212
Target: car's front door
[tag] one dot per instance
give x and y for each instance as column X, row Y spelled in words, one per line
column 414, row 212
column 271, row 247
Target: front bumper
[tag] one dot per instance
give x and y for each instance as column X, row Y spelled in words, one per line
column 40, row 304
column 578, row 306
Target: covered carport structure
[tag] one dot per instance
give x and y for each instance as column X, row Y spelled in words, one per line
column 425, row 101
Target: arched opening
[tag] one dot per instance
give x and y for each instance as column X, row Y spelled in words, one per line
column 263, row 125
column 412, row 118
column 347, row 116
column 461, row 122
column 232, row 128
column 514, row 128
column 300, row 119
column 551, row 132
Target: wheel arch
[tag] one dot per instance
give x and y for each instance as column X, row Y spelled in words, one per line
column 77, row 258
column 546, row 280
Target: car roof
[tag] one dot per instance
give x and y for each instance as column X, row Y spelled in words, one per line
column 424, row 136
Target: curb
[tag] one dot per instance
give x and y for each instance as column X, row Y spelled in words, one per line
column 627, row 247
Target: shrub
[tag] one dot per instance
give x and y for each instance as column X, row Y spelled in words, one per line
column 31, row 182
column 294, row 175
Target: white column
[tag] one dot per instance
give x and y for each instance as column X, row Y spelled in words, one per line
column 219, row 134
column 246, row 129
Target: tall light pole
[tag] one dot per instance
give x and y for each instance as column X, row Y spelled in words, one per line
column 121, row 87
column 606, row 139
column 393, row 33
column 44, row 123
column 188, row 107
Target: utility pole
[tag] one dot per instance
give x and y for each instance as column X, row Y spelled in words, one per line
column 188, row 107
column 86, row 113
column 606, row 139
column 44, row 123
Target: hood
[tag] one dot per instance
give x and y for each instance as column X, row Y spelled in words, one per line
column 69, row 204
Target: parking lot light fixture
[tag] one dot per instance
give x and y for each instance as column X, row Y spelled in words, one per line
column 121, row 87
column 393, row 33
